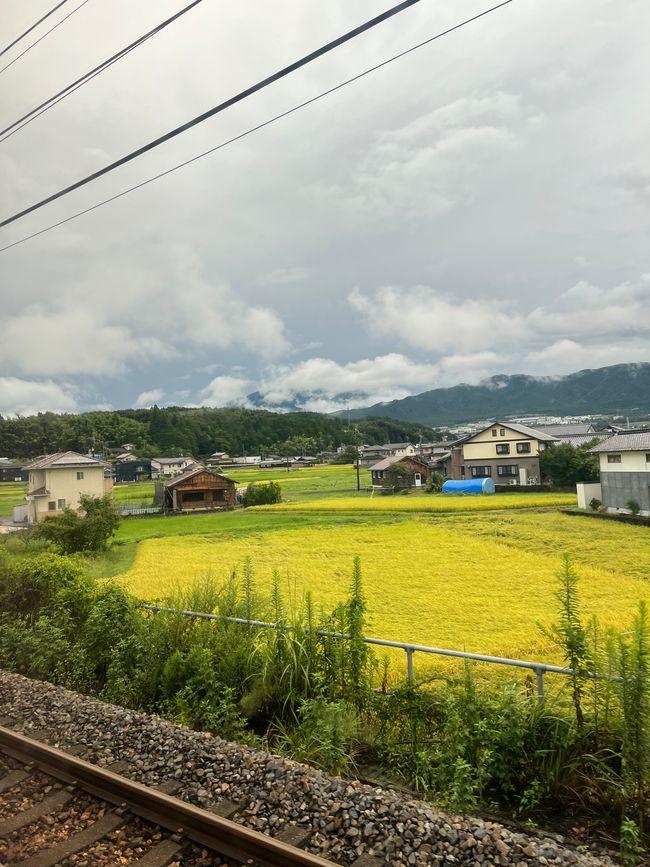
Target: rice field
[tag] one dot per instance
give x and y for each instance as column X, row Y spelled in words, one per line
column 11, row 494
column 451, row 583
column 428, row 503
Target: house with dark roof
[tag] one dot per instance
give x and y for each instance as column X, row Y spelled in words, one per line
column 506, row 452
column 625, row 470
column 56, row 482
column 197, row 490
column 418, row 468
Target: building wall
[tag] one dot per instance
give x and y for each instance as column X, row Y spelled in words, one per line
column 530, row 464
column 484, row 445
column 63, row 485
column 631, row 462
column 619, row 487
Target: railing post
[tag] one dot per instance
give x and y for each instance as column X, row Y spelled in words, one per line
column 540, row 683
column 409, row 662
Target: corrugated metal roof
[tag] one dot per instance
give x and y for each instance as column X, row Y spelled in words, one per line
column 625, row 441
column 395, row 459
column 64, row 460
column 191, row 472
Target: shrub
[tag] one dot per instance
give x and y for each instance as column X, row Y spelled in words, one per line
column 633, row 506
column 435, row 483
column 595, row 504
column 90, row 531
column 262, row 494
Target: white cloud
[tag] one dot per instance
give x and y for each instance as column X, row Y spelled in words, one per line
column 282, row 276
column 25, row 397
column 226, row 391
column 41, row 342
column 149, row 398
column 424, row 318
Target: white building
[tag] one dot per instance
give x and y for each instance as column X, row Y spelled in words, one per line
column 625, row 470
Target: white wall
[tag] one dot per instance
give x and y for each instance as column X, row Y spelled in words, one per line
column 586, row 492
column 631, row 462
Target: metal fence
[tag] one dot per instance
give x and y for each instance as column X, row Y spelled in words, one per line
column 539, row 668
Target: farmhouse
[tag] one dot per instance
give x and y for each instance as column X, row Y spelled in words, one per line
column 218, row 459
column 506, row 452
column 625, row 470
column 371, row 454
column 57, row 481
column 196, row 490
column 11, row 472
column 384, row 479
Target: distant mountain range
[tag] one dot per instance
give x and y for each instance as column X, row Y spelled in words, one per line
column 622, row 389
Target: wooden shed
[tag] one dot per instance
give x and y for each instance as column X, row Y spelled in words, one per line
column 199, row 490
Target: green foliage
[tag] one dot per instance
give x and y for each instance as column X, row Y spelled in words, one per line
column 565, row 465
column 399, row 476
column 258, row 494
column 595, row 504
column 435, row 483
column 633, row 506
column 322, row 735
column 347, row 455
column 90, row 530
column 631, row 845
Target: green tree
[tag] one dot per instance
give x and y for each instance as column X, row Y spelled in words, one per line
column 565, row 465
column 399, row 476
column 88, row 530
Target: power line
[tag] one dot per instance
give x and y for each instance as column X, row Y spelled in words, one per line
column 88, row 76
column 40, row 38
column 33, row 27
column 276, row 76
column 253, row 129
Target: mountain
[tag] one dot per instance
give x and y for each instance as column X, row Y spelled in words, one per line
column 622, row 389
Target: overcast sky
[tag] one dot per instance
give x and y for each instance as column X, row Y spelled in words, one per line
column 481, row 206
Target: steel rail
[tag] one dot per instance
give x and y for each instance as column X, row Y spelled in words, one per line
column 214, row 832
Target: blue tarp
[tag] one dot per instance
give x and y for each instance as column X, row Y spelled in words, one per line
column 469, row 486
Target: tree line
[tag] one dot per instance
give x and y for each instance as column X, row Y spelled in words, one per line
column 198, row 432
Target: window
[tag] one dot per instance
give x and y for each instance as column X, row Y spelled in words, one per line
column 51, row 506
column 480, row 472
column 523, row 448
column 494, row 431
column 80, row 475
column 502, row 431
column 508, row 470
column 60, row 504
column 613, row 459
column 192, row 496
column 503, row 448
column 647, row 458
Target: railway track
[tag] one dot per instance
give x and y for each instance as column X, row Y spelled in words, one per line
column 57, row 808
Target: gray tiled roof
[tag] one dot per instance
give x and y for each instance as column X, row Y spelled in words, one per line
column 533, row 433
column 625, row 441
column 65, row 459
column 565, row 430
column 385, row 463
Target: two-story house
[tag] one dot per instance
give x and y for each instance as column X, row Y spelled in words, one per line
column 170, row 467
column 625, row 470
column 57, row 481
column 506, row 452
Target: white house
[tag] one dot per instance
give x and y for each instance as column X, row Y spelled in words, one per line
column 625, row 470
column 170, row 467
column 57, row 481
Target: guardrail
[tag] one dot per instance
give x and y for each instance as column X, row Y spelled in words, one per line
column 539, row 668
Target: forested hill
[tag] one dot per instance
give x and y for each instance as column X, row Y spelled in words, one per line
column 197, row 432
column 620, row 389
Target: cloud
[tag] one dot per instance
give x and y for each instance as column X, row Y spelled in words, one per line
column 426, row 319
column 282, row 276
column 149, row 398
column 226, row 391
column 25, row 397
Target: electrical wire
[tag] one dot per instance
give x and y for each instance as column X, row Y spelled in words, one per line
column 88, row 76
column 40, row 38
column 244, row 94
column 259, row 126
column 33, row 27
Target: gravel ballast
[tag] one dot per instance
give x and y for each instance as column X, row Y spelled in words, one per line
column 344, row 818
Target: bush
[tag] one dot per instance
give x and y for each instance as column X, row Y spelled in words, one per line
column 435, row 483
column 633, row 506
column 89, row 531
column 595, row 504
column 262, row 494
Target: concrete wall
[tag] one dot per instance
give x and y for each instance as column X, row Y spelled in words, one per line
column 63, row 485
column 619, row 487
column 586, row 493
column 631, row 462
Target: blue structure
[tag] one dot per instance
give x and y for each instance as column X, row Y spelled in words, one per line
column 469, row 486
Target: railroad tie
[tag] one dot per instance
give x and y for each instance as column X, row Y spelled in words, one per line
column 294, row 836
column 11, row 778
column 81, row 840
column 225, row 809
column 160, row 854
column 368, row 861
column 168, row 787
column 48, row 805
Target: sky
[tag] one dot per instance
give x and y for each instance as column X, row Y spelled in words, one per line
column 479, row 206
